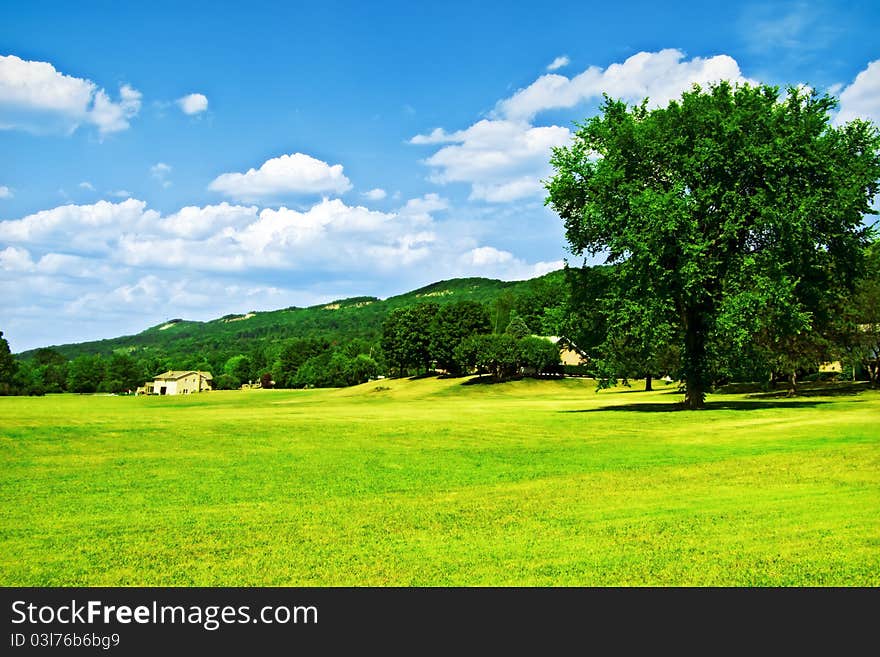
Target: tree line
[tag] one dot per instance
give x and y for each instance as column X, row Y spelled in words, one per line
column 497, row 338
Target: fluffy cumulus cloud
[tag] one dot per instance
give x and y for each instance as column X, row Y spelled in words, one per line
column 505, row 156
column 86, row 229
column 376, row 194
column 497, row 262
column 560, row 62
column 295, row 174
column 35, row 97
column 502, row 160
column 861, row 99
column 659, row 76
column 192, row 104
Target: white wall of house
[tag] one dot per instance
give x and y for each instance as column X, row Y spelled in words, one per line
column 181, row 386
column 170, row 387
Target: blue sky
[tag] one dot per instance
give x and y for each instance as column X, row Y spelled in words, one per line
column 159, row 161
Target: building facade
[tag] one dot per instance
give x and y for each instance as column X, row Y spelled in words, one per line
column 180, row 382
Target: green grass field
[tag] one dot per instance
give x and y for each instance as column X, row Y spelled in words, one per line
column 431, row 482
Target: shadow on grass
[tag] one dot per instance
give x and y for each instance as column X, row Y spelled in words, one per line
column 487, row 380
column 655, row 391
column 430, row 374
column 710, row 406
column 838, row 390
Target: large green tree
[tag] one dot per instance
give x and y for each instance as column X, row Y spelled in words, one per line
column 726, row 200
column 406, row 337
column 452, row 324
column 85, row 373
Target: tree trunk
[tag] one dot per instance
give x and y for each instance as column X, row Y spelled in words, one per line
column 695, row 365
column 792, row 384
column 648, row 387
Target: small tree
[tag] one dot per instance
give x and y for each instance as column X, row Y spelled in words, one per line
column 226, row 382
column 517, row 327
column 538, row 354
column 360, row 369
column 497, row 354
column 239, row 367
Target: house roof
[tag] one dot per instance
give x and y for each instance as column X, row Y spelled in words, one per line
column 174, row 375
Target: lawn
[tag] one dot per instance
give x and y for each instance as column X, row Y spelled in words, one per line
column 431, row 482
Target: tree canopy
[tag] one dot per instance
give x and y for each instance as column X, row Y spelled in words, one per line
column 730, row 213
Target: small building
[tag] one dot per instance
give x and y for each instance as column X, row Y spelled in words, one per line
column 180, row 382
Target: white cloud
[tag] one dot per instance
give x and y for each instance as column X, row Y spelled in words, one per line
column 330, row 234
column 861, row 99
column 79, row 228
column 436, row 136
column 659, row 76
column 160, row 172
column 193, row 104
column 504, row 157
column 86, row 185
column 558, row 63
column 331, row 229
column 285, row 175
column 35, row 97
column 376, row 194
column 15, row 259
column 487, row 255
column 194, row 222
column 497, row 263
column 502, row 160
column 120, row 193
column 5, row 192
column 422, row 209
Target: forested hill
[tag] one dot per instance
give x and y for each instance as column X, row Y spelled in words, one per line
column 338, row 322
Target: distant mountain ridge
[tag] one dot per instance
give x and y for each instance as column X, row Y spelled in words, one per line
column 340, row 320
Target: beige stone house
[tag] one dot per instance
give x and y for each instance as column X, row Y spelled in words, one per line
column 179, row 382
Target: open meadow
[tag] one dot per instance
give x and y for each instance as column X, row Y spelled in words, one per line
column 432, row 482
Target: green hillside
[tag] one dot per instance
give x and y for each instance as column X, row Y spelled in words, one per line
column 338, row 321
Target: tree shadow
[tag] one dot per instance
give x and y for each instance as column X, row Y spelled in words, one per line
column 839, row 390
column 430, row 374
column 655, row 391
column 487, row 380
column 710, row 406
